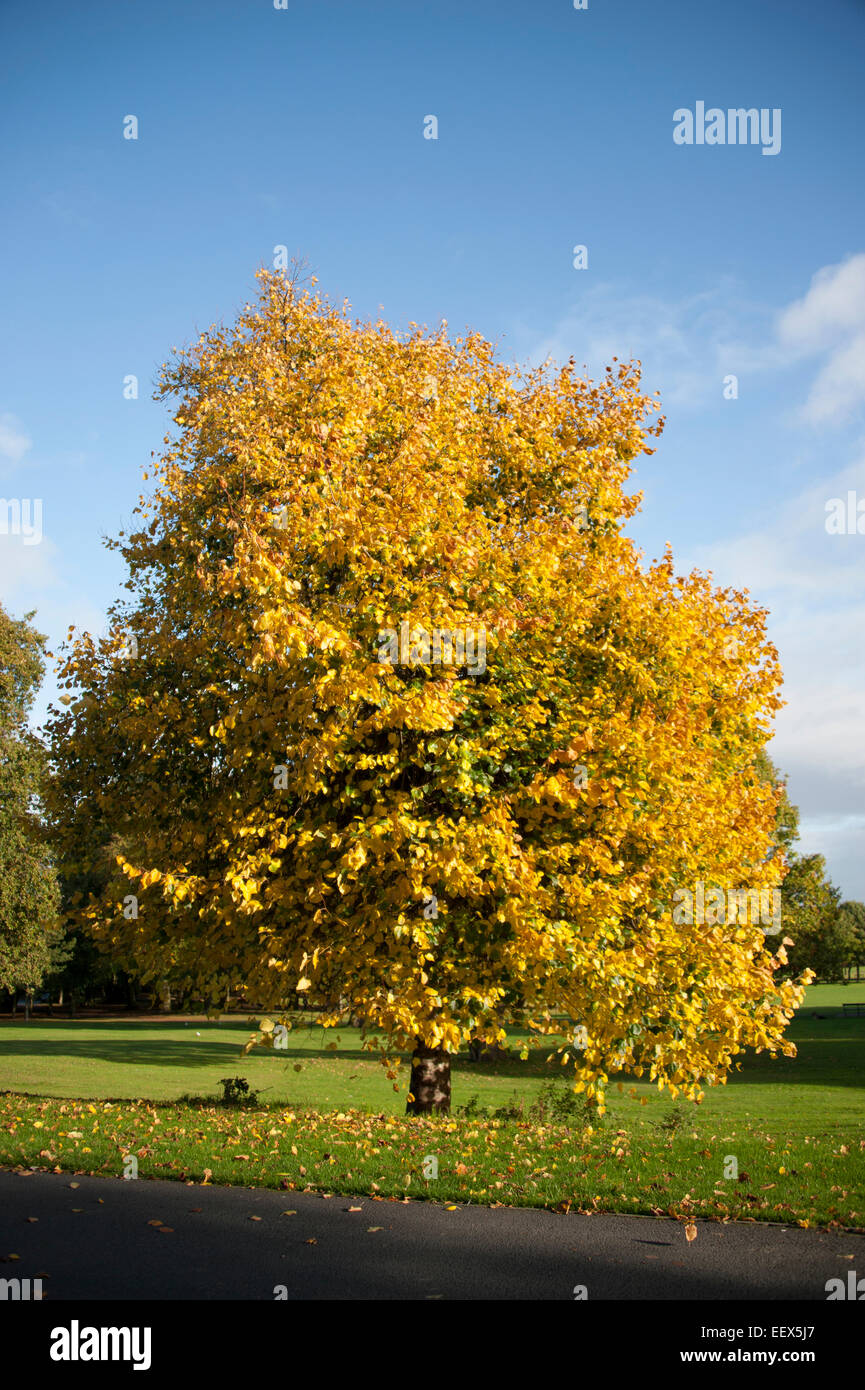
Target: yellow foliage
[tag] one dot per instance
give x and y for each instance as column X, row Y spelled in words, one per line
column 290, row 805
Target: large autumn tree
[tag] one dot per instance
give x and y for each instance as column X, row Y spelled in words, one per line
column 444, row 848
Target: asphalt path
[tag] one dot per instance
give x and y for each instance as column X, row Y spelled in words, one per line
column 96, row 1241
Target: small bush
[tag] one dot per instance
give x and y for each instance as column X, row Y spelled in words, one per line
column 673, row 1121
column 557, row 1103
column 235, row 1091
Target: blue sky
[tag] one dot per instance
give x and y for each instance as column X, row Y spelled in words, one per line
column 304, row 127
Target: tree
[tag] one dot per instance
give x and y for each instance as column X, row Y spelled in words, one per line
column 395, row 714
column 786, row 828
column 29, row 895
column 821, row 941
column 821, row 938
column 852, row 915
column 84, row 969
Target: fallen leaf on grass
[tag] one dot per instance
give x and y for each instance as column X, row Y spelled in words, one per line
column 374, row 1228
column 288, row 1213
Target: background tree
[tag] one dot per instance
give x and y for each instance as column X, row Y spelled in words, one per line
column 293, row 805
column 29, row 895
column 852, row 915
column 822, row 937
column 84, row 971
column 786, row 827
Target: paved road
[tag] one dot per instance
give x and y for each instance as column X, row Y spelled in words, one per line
column 93, row 1241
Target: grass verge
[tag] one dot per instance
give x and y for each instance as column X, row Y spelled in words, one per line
column 673, row 1166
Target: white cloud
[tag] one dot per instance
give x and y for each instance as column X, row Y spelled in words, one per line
column 26, row 570
column 14, row 442
column 791, row 555
column 830, row 319
column 813, row 584
column 688, row 346
column 834, row 304
column 840, row 385
column 684, row 345
column 841, row 841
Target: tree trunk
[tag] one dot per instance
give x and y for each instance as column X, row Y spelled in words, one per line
column 430, row 1083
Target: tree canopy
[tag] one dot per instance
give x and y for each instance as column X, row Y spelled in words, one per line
column 318, row 794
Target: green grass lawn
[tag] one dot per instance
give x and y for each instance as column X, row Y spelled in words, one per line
column 332, row 1121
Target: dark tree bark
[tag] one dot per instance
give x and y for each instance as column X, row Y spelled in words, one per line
column 430, row 1083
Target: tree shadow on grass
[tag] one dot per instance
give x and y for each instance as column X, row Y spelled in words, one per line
column 144, row 1044
column 165, row 1052
column 830, row 1053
